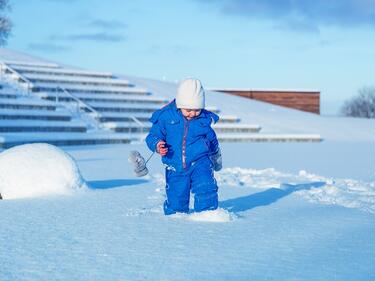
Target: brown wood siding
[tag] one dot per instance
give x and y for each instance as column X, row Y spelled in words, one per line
column 305, row 101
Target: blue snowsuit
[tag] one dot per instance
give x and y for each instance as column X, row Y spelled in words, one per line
column 188, row 166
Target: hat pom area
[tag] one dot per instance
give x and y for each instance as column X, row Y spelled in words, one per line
column 190, row 94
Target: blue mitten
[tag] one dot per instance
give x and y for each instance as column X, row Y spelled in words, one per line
column 217, row 160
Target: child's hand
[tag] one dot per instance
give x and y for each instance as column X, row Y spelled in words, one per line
column 161, row 148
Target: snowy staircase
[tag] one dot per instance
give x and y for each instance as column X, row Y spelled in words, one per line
column 27, row 119
column 44, row 102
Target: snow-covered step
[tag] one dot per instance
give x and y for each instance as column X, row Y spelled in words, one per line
column 145, row 126
column 124, row 117
column 114, row 98
column 19, row 114
column 26, row 103
column 5, row 95
column 116, row 107
column 37, row 64
column 63, row 139
column 229, row 119
column 29, row 100
column 88, row 88
column 128, row 127
column 144, row 117
column 61, row 71
column 236, row 128
column 213, row 109
column 41, row 126
column 96, row 81
column 270, row 137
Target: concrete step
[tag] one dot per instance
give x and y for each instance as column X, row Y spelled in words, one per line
column 144, row 117
column 123, row 117
column 130, row 108
column 40, row 126
column 78, row 88
column 104, row 98
column 62, row 80
column 19, row 114
column 8, row 140
column 4, row 95
column 24, row 69
column 236, row 128
column 229, row 119
column 269, row 138
column 19, row 63
column 25, row 105
column 133, row 127
column 128, row 127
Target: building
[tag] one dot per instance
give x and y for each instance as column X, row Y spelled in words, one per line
column 308, row 101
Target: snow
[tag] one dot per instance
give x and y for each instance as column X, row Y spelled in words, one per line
column 88, row 88
column 116, row 230
column 127, row 97
column 61, row 71
column 75, row 79
column 218, row 215
column 34, row 123
column 343, row 192
column 35, row 170
column 27, row 101
column 287, row 211
column 35, row 112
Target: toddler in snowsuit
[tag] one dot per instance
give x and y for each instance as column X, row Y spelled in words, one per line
column 181, row 133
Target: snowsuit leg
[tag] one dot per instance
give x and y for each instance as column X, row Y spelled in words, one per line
column 177, row 191
column 204, row 186
column 200, row 179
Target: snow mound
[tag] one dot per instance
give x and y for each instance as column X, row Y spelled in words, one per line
column 218, row 215
column 34, row 170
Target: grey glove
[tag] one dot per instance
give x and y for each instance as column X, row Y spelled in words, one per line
column 217, row 160
column 139, row 163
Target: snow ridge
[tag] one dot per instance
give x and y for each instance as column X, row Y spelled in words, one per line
column 348, row 193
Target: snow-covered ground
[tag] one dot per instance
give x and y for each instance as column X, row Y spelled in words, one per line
column 288, row 212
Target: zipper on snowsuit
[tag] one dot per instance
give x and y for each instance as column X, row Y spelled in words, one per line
column 186, row 129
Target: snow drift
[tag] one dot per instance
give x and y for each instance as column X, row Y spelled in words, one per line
column 33, row 170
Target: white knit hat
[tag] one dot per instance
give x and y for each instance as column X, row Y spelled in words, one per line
column 190, row 94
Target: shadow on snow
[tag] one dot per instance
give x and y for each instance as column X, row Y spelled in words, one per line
column 266, row 197
column 107, row 184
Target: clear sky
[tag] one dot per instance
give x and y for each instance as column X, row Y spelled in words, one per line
column 325, row 45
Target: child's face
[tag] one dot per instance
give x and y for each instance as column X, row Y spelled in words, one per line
column 190, row 113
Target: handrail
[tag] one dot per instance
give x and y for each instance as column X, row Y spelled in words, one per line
column 97, row 114
column 30, row 85
column 80, row 102
column 136, row 120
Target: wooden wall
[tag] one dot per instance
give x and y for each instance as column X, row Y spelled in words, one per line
column 302, row 100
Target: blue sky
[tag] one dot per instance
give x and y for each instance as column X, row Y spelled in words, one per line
column 326, row 45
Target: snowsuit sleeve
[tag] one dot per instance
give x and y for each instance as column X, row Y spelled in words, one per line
column 214, row 143
column 157, row 131
column 211, row 135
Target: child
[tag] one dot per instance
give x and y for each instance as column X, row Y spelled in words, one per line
column 181, row 133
